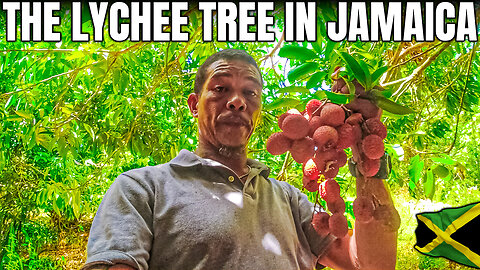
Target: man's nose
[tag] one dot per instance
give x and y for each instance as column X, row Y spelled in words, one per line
column 236, row 103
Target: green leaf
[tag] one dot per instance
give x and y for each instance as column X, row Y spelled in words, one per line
column 350, row 86
column 429, row 184
column 302, row 71
column 415, row 171
column 445, row 159
column 296, row 52
column 293, row 89
column 338, row 98
column 391, row 106
column 354, row 67
column 282, row 102
column 331, row 45
column 10, row 101
column 378, row 73
column 316, row 79
column 368, row 76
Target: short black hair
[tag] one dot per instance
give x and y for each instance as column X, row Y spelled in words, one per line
column 228, row 54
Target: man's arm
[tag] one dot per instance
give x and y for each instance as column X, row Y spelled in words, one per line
column 373, row 244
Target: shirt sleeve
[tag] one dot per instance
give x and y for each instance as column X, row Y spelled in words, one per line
column 121, row 231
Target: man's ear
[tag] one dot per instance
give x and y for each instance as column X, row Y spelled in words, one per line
column 193, row 104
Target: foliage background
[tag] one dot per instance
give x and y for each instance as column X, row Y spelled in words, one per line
column 75, row 115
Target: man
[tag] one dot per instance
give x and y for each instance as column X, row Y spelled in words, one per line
column 216, row 209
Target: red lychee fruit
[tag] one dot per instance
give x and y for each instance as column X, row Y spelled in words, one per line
column 354, row 119
column 320, row 222
column 376, row 127
column 283, row 116
column 332, row 115
column 345, row 136
column 278, row 143
column 369, row 167
column 359, row 89
column 323, row 157
column 338, row 225
column 329, row 190
column 310, row 170
column 313, row 107
column 302, row 149
column 331, row 170
column 373, row 147
column 356, row 134
column 363, row 106
column 309, row 184
column 337, row 206
column 341, row 158
column 314, row 123
column 325, row 137
column 363, row 209
column 295, row 126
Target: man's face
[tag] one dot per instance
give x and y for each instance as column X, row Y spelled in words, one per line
column 229, row 104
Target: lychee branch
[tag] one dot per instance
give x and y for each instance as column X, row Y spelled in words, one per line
column 462, row 98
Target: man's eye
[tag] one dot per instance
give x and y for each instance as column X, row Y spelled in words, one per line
column 251, row 93
column 219, row 88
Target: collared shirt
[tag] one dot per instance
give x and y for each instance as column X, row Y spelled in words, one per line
column 195, row 213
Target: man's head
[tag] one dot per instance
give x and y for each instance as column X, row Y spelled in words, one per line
column 227, row 99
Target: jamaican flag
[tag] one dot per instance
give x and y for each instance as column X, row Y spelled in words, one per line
column 453, row 233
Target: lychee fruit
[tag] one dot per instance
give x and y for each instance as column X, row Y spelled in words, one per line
column 323, row 157
column 373, row 147
column 331, row 170
column 345, row 136
column 369, row 167
column 325, row 137
column 354, row 119
column 363, row 209
column 314, row 123
column 283, row 116
column 320, row 222
column 295, row 126
column 332, row 115
column 363, row 106
column 278, row 143
column 341, row 158
column 337, row 206
column 376, row 127
column 338, row 225
column 329, row 190
column 313, row 107
column 310, row 170
column 302, row 149
column 310, row 184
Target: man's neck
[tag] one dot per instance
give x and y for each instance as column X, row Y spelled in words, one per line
column 233, row 157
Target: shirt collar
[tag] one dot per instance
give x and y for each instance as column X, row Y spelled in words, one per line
column 186, row 158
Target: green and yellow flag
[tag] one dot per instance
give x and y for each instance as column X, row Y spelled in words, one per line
column 453, row 233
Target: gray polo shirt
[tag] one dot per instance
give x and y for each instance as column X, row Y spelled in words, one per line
column 194, row 213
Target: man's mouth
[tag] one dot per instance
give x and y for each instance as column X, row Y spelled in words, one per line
column 232, row 120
